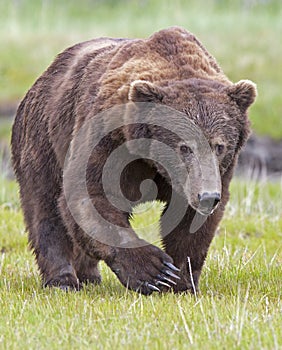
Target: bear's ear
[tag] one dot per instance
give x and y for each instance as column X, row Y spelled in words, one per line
column 144, row 91
column 243, row 93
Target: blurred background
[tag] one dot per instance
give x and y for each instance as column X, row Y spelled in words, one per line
column 243, row 35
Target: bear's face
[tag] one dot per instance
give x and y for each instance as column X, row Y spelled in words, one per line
column 218, row 111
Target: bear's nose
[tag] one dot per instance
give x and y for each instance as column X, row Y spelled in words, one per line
column 209, row 200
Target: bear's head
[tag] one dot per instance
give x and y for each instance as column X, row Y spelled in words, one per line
column 212, row 111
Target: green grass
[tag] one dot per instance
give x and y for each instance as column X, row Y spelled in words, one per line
column 239, row 306
column 243, row 35
column 5, row 131
column 145, row 220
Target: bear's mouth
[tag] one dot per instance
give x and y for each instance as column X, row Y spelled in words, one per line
column 204, row 211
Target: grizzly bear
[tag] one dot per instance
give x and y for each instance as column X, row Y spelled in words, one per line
column 112, row 89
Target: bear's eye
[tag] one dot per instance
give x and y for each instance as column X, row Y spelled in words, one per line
column 219, row 149
column 185, row 150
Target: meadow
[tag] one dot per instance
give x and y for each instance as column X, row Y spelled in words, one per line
column 239, row 305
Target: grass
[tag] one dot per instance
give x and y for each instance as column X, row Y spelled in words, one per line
column 145, row 220
column 239, row 306
column 243, row 35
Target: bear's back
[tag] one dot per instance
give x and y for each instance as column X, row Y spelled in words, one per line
column 95, row 75
column 169, row 55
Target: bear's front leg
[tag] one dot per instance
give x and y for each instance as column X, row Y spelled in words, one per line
column 138, row 265
column 108, row 236
column 144, row 269
column 189, row 250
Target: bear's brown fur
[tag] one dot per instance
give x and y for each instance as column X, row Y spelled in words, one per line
column 171, row 68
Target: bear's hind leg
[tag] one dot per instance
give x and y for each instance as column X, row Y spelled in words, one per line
column 53, row 250
column 48, row 236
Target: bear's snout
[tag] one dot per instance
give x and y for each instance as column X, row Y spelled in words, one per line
column 208, row 201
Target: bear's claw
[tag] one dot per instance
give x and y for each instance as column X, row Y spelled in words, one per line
column 152, row 287
column 171, row 266
column 161, row 278
column 164, row 284
column 164, row 278
column 169, row 273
